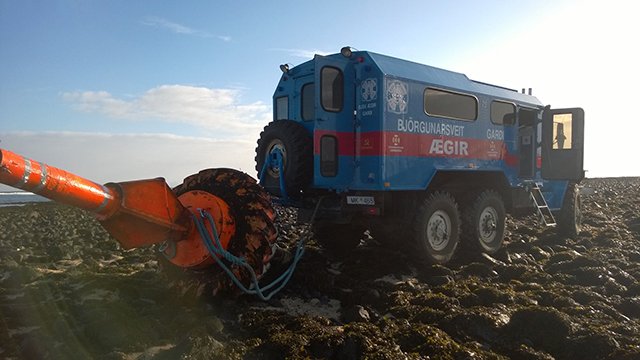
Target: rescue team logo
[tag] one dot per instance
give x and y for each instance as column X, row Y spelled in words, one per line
column 493, row 151
column 395, row 148
column 397, row 97
column 369, row 89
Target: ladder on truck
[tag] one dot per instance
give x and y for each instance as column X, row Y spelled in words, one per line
column 542, row 208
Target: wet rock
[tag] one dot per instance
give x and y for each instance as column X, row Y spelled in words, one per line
column 9, row 264
column 426, row 340
column 502, row 255
column 214, row 324
column 478, row 269
column 491, row 261
column 434, row 270
column 373, row 296
column 634, row 224
column 357, row 314
column 598, row 345
column 633, row 256
column 441, row 280
column 538, row 253
column 513, row 272
column 21, row 275
column 547, row 328
column 630, row 307
column 37, row 345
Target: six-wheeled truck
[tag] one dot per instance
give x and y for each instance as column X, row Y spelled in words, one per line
column 413, row 152
column 359, row 141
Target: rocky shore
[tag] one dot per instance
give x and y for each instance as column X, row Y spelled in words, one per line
column 68, row 291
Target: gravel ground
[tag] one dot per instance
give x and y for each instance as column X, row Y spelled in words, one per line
column 68, row 291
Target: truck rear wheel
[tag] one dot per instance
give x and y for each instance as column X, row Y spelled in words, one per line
column 437, row 228
column 569, row 218
column 296, row 145
column 484, row 222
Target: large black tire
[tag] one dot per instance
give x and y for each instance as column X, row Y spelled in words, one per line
column 484, row 222
column 253, row 214
column 569, row 218
column 436, row 228
column 296, row 145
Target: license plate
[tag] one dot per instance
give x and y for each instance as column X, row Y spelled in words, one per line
column 360, row 200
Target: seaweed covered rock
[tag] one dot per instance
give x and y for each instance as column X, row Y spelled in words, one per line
column 67, row 290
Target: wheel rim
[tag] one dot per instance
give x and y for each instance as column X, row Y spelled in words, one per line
column 439, row 230
column 488, row 225
column 274, row 171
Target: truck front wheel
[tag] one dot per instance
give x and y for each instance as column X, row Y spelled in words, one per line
column 437, row 228
column 484, row 222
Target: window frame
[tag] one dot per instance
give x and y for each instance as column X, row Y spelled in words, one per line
column 424, row 103
column 322, row 92
column 515, row 111
column 277, row 112
column 335, row 160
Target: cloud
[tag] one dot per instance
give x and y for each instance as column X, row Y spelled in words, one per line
column 208, row 109
column 158, row 22
column 103, row 158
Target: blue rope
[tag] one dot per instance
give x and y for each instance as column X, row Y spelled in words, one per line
column 165, row 245
column 215, row 248
column 274, row 158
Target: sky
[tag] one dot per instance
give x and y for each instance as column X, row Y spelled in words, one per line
column 126, row 90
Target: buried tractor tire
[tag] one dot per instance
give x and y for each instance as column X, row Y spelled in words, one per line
column 253, row 215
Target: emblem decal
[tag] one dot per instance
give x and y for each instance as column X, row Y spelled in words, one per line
column 397, row 97
column 369, row 89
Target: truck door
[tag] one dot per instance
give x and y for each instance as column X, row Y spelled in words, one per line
column 334, row 133
column 526, row 143
column 562, row 144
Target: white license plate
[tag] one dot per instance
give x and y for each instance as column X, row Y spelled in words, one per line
column 360, row 200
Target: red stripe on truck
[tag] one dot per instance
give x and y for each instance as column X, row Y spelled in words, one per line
column 390, row 143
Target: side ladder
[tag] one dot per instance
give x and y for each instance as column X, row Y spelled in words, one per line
column 540, row 204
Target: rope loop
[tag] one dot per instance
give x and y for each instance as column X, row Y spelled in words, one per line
column 215, row 248
column 166, row 245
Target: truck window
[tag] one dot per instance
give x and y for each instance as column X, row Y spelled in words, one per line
column 329, row 156
column 332, row 89
column 562, row 131
column 307, row 100
column 282, row 108
column 449, row 104
column 503, row 113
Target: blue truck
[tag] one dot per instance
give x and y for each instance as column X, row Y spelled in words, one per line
column 415, row 153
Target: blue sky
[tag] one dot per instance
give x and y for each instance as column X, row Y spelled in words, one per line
column 121, row 90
